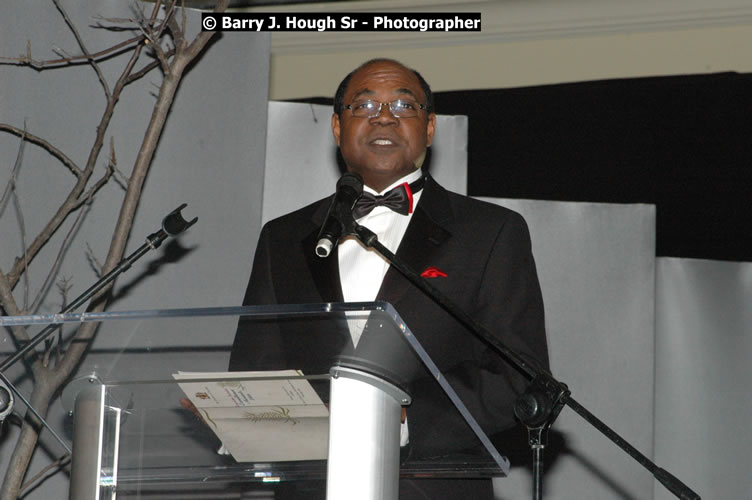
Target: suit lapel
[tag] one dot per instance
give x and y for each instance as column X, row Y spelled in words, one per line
column 324, row 271
column 425, row 235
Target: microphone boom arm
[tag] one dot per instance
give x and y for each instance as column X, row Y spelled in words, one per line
column 172, row 225
column 539, row 406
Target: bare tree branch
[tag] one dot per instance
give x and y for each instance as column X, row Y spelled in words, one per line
column 65, row 160
column 113, row 158
column 58, row 260
column 138, row 74
column 176, row 30
column 11, row 192
column 69, row 205
column 74, row 199
column 28, row 60
column 47, row 379
column 93, row 261
column 59, row 51
column 53, row 347
column 169, row 14
column 27, row 440
column 64, row 285
column 85, row 51
column 125, row 220
column 89, row 195
column 13, row 174
column 8, row 300
column 59, row 463
column 198, row 43
column 120, row 177
column 153, row 35
column 22, row 232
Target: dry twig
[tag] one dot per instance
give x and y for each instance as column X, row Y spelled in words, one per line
column 173, row 63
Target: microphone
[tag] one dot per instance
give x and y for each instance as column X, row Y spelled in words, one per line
column 349, row 189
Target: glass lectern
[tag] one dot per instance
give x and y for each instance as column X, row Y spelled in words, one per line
column 322, row 400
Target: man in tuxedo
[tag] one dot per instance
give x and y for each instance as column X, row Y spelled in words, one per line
column 477, row 254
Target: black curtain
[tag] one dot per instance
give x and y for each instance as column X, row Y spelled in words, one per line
column 683, row 143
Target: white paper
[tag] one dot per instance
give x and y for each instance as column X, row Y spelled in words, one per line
column 258, row 419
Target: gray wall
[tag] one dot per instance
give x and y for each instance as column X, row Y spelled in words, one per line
column 211, row 157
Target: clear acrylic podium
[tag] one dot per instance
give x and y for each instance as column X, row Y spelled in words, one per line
column 136, row 436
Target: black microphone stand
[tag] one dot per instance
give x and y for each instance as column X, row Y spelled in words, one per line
column 544, row 398
column 172, row 225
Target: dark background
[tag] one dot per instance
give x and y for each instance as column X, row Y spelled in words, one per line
column 683, row 143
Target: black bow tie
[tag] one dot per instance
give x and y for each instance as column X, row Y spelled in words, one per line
column 399, row 199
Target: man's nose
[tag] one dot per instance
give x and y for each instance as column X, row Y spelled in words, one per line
column 385, row 116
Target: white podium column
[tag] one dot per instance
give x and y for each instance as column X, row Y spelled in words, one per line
column 96, row 437
column 364, row 435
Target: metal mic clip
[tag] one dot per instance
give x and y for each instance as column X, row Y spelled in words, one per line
column 174, row 223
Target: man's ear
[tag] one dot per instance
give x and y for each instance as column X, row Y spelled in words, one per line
column 430, row 128
column 335, row 127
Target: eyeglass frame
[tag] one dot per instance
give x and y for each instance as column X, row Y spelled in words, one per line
column 381, row 105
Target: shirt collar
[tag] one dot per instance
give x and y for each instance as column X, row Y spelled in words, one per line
column 412, row 176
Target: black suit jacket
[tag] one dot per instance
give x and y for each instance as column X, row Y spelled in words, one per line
column 485, row 251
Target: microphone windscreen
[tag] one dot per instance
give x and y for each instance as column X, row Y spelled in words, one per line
column 350, row 179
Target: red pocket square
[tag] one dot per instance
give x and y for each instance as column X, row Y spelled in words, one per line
column 433, row 272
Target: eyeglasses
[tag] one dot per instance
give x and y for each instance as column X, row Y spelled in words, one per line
column 400, row 108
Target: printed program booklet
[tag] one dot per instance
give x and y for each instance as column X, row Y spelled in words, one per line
column 268, row 416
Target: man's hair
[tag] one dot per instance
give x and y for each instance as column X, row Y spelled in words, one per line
column 339, row 96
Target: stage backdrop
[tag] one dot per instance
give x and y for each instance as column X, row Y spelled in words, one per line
column 657, row 348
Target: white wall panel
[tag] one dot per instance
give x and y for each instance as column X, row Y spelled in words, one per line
column 703, row 373
column 596, row 268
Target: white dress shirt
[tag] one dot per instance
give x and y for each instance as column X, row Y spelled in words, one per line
column 362, row 269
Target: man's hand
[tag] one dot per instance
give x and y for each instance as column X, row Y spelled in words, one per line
column 188, row 405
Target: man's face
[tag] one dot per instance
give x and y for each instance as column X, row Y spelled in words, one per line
column 383, row 149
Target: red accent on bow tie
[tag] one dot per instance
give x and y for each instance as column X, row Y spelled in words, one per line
column 400, row 199
column 409, row 196
column 433, row 272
